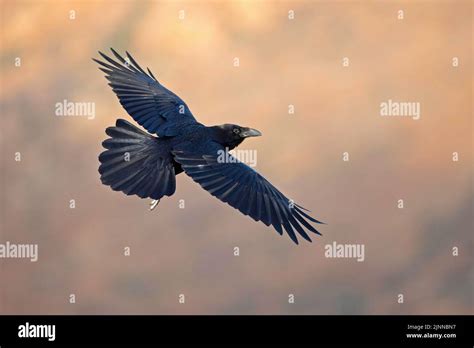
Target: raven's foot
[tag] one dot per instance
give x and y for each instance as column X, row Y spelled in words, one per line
column 154, row 203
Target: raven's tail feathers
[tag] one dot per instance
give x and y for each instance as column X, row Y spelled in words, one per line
column 131, row 163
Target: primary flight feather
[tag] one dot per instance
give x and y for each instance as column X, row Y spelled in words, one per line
column 138, row 163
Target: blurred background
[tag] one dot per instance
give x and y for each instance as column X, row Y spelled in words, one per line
column 283, row 62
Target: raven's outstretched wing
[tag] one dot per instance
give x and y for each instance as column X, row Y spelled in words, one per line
column 246, row 190
column 151, row 104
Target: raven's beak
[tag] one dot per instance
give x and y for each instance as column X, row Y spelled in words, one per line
column 249, row 132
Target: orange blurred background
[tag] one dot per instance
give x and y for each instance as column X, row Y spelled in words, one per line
column 283, row 62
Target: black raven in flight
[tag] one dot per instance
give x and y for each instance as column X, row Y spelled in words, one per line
column 138, row 163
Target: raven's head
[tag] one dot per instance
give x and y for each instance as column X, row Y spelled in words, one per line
column 231, row 135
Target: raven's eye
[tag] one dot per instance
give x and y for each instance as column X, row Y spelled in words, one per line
column 236, row 130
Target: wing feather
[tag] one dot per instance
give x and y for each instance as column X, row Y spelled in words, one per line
column 150, row 103
column 246, row 190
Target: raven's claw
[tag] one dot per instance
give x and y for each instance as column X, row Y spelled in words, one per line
column 154, row 203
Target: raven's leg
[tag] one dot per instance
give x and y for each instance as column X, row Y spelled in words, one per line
column 154, row 203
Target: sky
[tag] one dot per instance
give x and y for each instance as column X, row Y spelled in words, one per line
column 324, row 82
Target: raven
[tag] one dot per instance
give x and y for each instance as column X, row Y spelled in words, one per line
column 138, row 163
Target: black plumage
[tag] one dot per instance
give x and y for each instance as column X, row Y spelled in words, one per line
column 138, row 163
